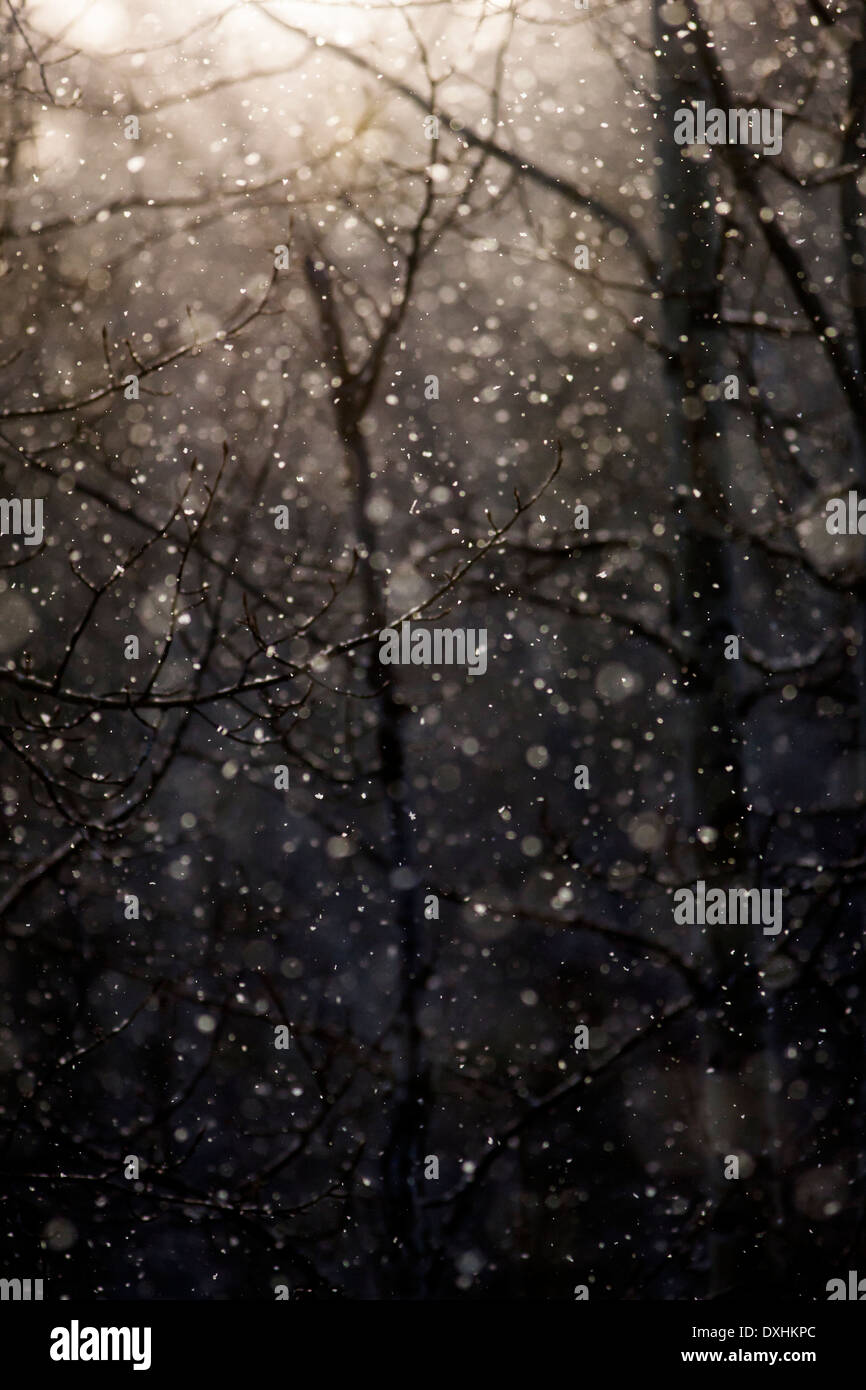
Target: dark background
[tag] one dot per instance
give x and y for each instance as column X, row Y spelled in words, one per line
column 418, row 251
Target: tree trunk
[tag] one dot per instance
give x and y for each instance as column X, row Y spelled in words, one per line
column 712, row 814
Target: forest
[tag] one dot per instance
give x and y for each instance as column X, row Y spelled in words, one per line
column 432, row 648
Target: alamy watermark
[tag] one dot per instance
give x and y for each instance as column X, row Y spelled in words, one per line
column 755, row 126
column 733, row 906
column 22, row 516
column 854, row 1290
column 76, row 1343
column 21, row 1290
column 846, row 516
column 439, row 646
